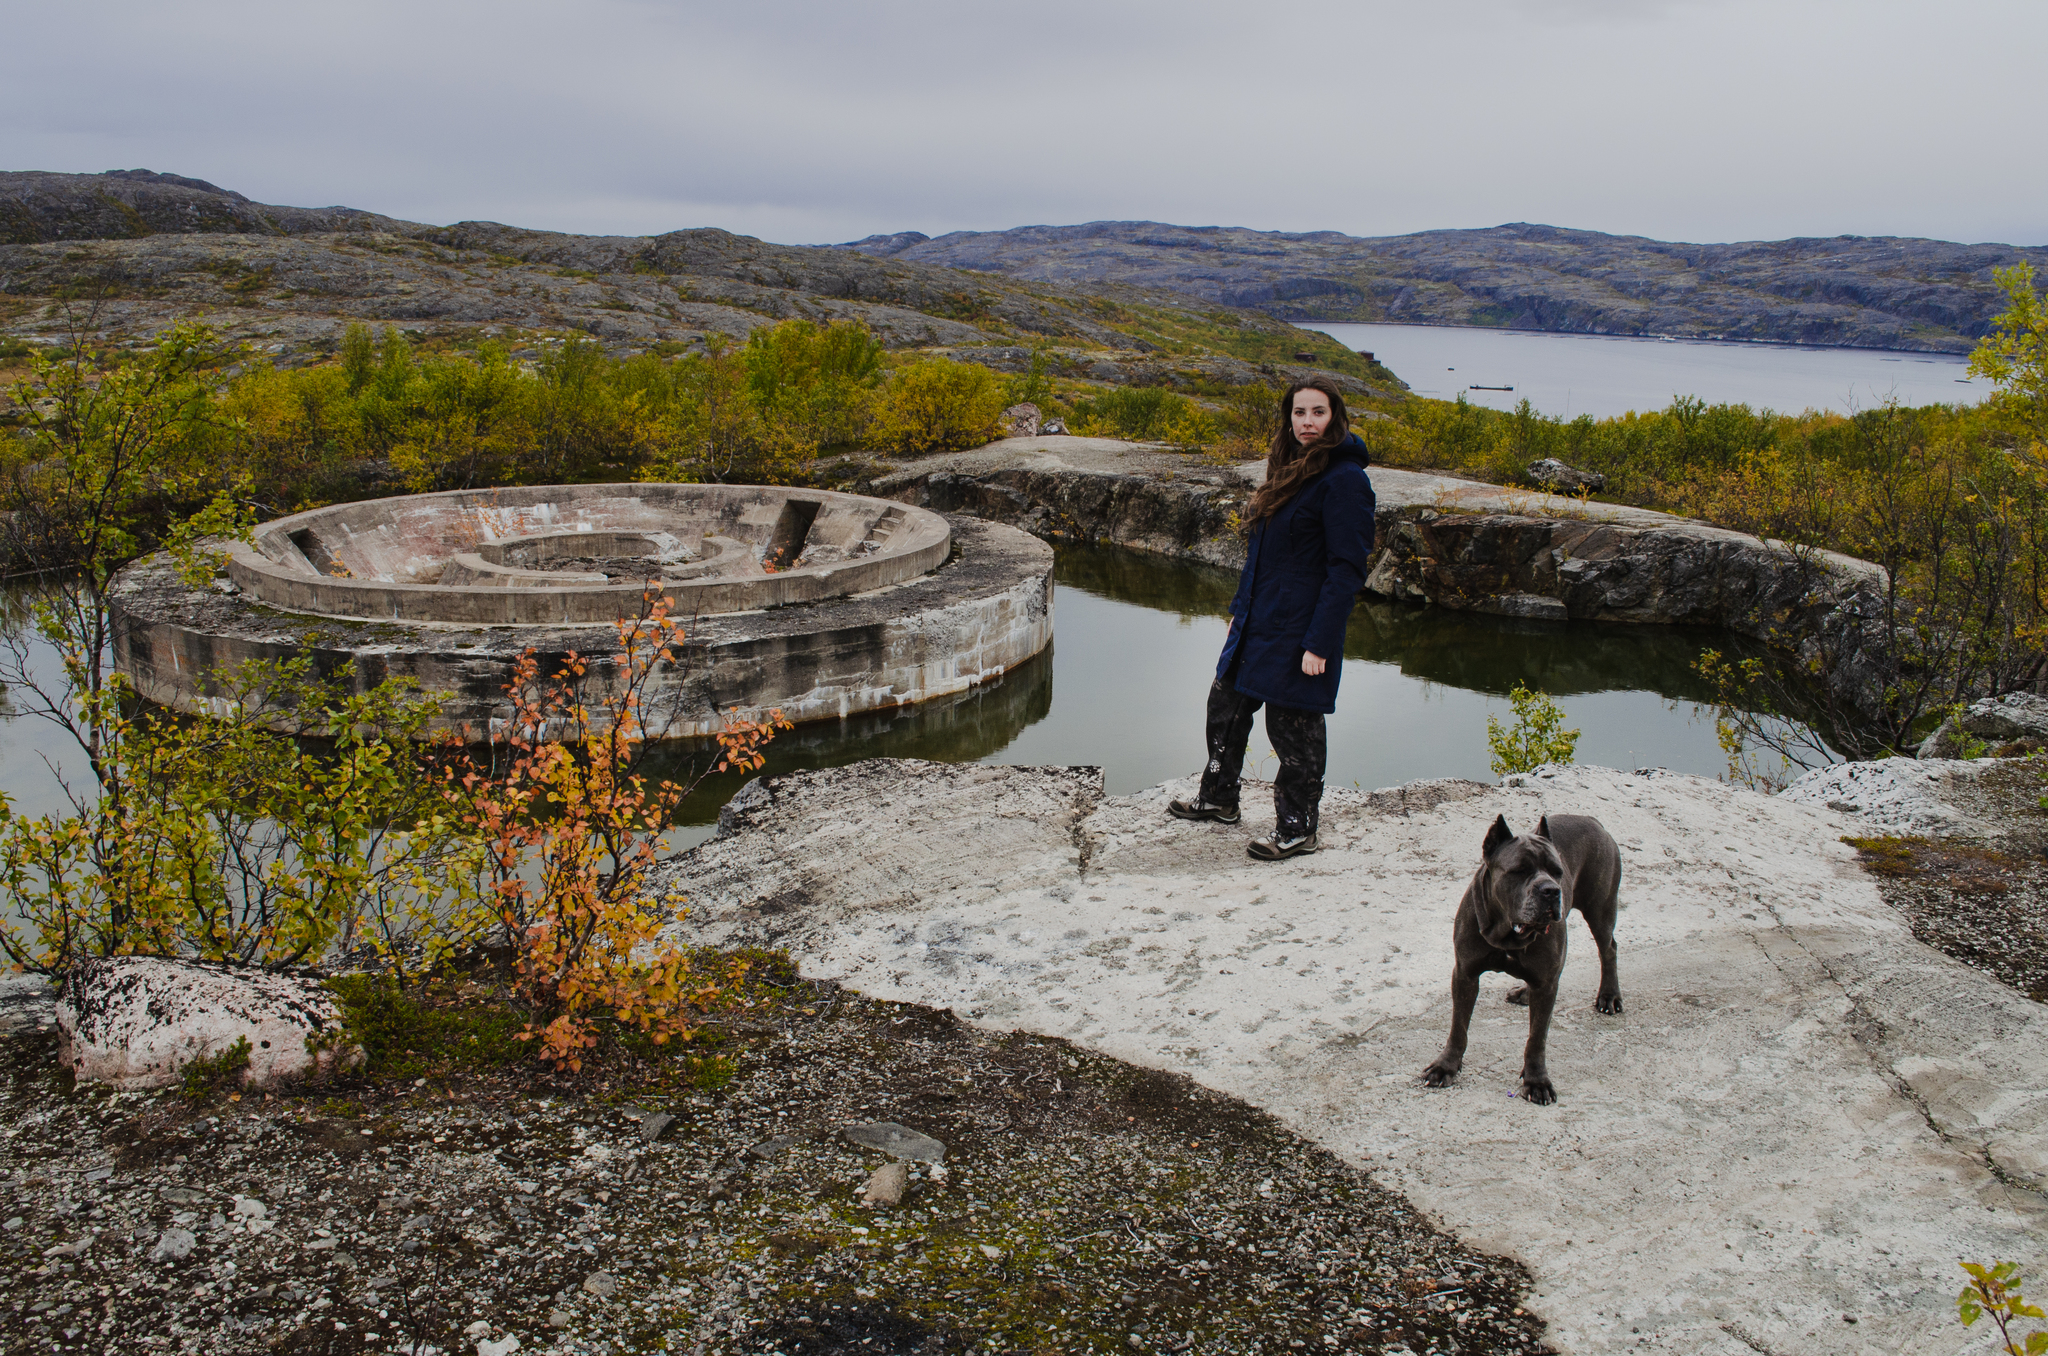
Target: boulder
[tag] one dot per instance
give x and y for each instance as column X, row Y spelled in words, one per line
column 1553, row 474
column 136, row 1021
column 1992, row 720
column 1021, row 421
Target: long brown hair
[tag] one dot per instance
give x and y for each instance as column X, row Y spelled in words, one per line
column 1290, row 464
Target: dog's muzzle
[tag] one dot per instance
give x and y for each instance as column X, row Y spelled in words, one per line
column 1552, row 900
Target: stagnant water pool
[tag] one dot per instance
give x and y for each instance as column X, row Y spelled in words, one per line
column 1135, row 645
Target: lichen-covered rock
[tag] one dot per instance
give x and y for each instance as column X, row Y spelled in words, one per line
column 136, row 1021
column 1021, row 421
column 1995, row 720
column 1554, row 474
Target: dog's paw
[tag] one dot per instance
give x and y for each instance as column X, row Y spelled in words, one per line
column 1438, row 1076
column 1609, row 1003
column 1538, row 1092
column 1519, row 995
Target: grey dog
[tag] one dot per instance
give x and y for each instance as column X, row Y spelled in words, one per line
column 1512, row 919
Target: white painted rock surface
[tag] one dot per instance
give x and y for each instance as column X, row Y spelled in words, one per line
column 1804, row 1116
column 135, row 1021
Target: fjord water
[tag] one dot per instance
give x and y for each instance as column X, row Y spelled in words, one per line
column 1567, row 375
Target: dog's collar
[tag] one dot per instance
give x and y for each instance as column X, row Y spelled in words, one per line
column 1514, row 941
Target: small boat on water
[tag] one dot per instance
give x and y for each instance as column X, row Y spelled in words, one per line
column 1489, row 388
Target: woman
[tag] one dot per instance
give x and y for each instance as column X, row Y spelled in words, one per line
column 1309, row 535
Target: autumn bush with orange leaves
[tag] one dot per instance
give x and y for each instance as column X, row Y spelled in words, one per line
column 572, row 830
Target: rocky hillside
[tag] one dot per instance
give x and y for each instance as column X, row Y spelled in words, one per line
column 130, row 252
column 1851, row 290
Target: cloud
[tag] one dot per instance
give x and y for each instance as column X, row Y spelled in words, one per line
column 796, row 120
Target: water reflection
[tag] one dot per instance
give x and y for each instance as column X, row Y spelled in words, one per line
column 1460, row 649
column 968, row 727
column 1124, row 684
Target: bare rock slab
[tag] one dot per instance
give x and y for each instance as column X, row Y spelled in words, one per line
column 1805, row 1114
column 136, row 1021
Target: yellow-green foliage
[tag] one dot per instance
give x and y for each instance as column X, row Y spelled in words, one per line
column 218, row 838
column 1995, row 1290
column 938, row 406
column 201, row 1076
column 1537, row 737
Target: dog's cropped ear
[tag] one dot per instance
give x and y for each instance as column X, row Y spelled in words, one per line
column 1543, row 827
column 1500, row 833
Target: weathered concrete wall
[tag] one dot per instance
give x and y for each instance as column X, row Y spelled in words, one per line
column 434, row 557
column 985, row 612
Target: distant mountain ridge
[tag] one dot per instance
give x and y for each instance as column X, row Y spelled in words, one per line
column 1855, row 291
column 38, row 206
column 133, row 251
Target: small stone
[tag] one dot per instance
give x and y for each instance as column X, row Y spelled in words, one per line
column 99, row 1174
column 899, row 1141
column 11, row 1225
column 249, row 1207
column 887, row 1186
column 503, row 1347
column 558, row 1318
column 71, row 1249
column 173, row 1245
column 656, row 1126
column 184, row 1196
column 993, row 1253
column 601, row 1284
column 770, row 1149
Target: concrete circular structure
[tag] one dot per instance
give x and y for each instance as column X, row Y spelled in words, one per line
column 812, row 602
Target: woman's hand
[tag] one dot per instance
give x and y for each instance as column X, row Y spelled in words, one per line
column 1312, row 664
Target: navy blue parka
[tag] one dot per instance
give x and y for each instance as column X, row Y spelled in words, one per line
column 1303, row 569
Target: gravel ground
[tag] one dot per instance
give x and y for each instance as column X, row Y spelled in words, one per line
column 1981, row 901
column 1083, row 1205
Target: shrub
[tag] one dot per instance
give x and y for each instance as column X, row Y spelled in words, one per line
column 816, row 380
column 1138, row 413
column 1249, row 419
column 1995, row 1290
column 219, row 838
column 200, row 1077
column 1537, row 737
column 571, row 830
column 938, row 405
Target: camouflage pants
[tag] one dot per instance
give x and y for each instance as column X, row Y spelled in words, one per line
column 1298, row 738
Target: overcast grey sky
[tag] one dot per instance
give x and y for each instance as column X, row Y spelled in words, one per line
column 807, row 122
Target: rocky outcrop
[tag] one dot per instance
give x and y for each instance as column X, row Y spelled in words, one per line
column 1021, row 421
column 1060, row 487
column 1484, row 550
column 136, row 1021
column 1553, row 474
column 1863, row 292
column 1994, row 721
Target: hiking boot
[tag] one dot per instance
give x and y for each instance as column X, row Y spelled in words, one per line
column 1202, row 809
column 1273, row 847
